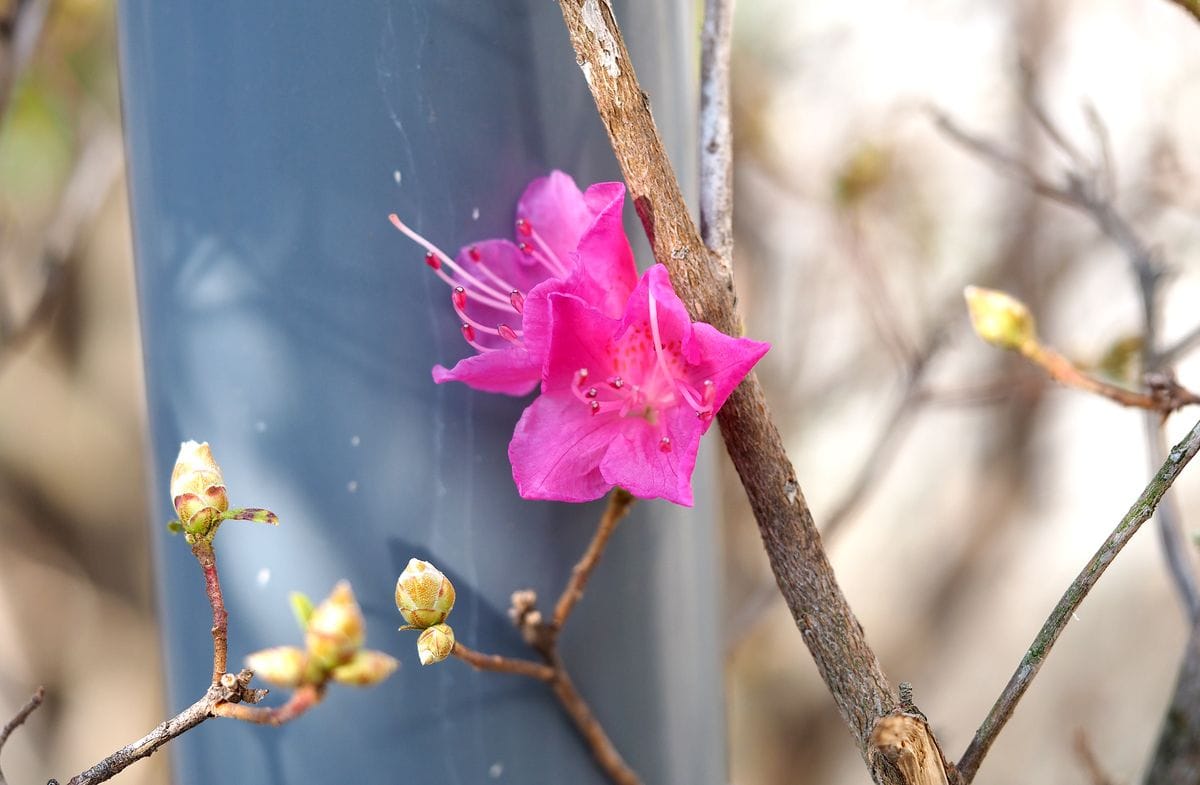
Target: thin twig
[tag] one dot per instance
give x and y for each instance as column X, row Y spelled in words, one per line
column 590, row 728
column 19, row 719
column 207, row 557
column 1163, row 401
column 833, row 635
column 619, row 503
column 543, row 637
column 500, row 664
column 301, row 700
column 1031, row 663
column 1176, row 351
column 716, row 138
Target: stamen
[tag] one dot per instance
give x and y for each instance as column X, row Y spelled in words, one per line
column 486, row 293
column 507, row 333
column 517, row 300
column 664, row 444
column 547, row 256
column 592, row 392
column 580, row 377
column 595, row 407
column 473, row 252
column 526, row 248
column 459, row 298
column 468, row 333
column 616, row 382
column 524, row 228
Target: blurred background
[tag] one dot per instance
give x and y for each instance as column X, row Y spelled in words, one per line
column 960, row 493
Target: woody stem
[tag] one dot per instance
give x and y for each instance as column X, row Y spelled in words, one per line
column 204, row 553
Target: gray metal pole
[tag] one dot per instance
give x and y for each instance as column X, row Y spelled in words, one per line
column 287, row 323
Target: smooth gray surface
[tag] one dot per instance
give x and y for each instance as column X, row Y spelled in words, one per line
column 287, row 323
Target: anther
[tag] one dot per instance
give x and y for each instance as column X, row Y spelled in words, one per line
column 433, row 261
column 595, row 407
column 507, row 333
column 524, row 228
column 459, row 297
column 616, row 382
column 473, row 252
column 581, row 376
column 592, row 392
column 664, row 444
column 526, row 248
column 518, row 301
column 468, row 332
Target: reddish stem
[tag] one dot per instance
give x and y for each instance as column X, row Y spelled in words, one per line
column 207, row 557
column 303, row 699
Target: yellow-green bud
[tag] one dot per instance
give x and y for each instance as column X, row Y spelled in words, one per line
column 197, row 488
column 283, row 666
column 335, row 629
column 1000, row 319
column 435, row 644
column 424, row 596
column 367, row 667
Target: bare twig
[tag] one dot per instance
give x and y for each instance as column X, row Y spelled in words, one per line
column 500, row 664
column 832, row 633
column 543, row 636
column 207, row 558
column 1162, row 399
column 1031, row 663
column 619, row 502
column 716, row 138
column 301, row 700
column 19, row 719
column 229, row 690
column 1176, row 756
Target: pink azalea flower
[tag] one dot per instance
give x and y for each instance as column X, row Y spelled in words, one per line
column 625, row 401
column 566, row 241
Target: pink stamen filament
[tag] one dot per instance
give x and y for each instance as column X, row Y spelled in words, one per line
column 547, row 255
column 458, row 299
column 485, row 294
column 702, row 404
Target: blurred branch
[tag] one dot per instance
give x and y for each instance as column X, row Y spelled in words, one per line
column 1089, row 187
column 834, row 637
column 1089, row 761
column 20, row 29
column 716, row 139
column 18, row 720
column 1176, row 757
column 1173, row 353
column 1191, row 6
column 96, row 170
column 543, row 636
column 1031, row 663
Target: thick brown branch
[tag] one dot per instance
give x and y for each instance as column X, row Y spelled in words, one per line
column 207, row 557
column 832, row 633
column 619, row 502
column 19, row 719
column 1031, row 663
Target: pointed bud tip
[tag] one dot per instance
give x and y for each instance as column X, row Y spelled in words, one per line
column 999, row 318
column 435, row 644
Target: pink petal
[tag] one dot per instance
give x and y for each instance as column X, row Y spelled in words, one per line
column 605, row 272
column 556, row 450
column 512, row 371
column 636, row 461
column 580, row 337
column 714, row 355
column 557, row 211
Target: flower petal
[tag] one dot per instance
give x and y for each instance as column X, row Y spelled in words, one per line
column 637, row 462
column 605, row 273
column 725, row 361
column 556, row 450
column 512, row 371
column 580, row 337
column 556, row 209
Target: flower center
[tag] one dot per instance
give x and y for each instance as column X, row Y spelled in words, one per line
column 663, row 386
column 497, row 303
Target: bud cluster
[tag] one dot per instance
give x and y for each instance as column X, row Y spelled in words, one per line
column 200, row 498
column 333, row 638
column 425, row 598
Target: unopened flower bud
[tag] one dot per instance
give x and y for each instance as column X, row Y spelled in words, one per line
column 435, row 644
column 283, row 666
column 367, row 667
column 335, row 628
column 424, row 596
column 1000, row 319
column 197, row 488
